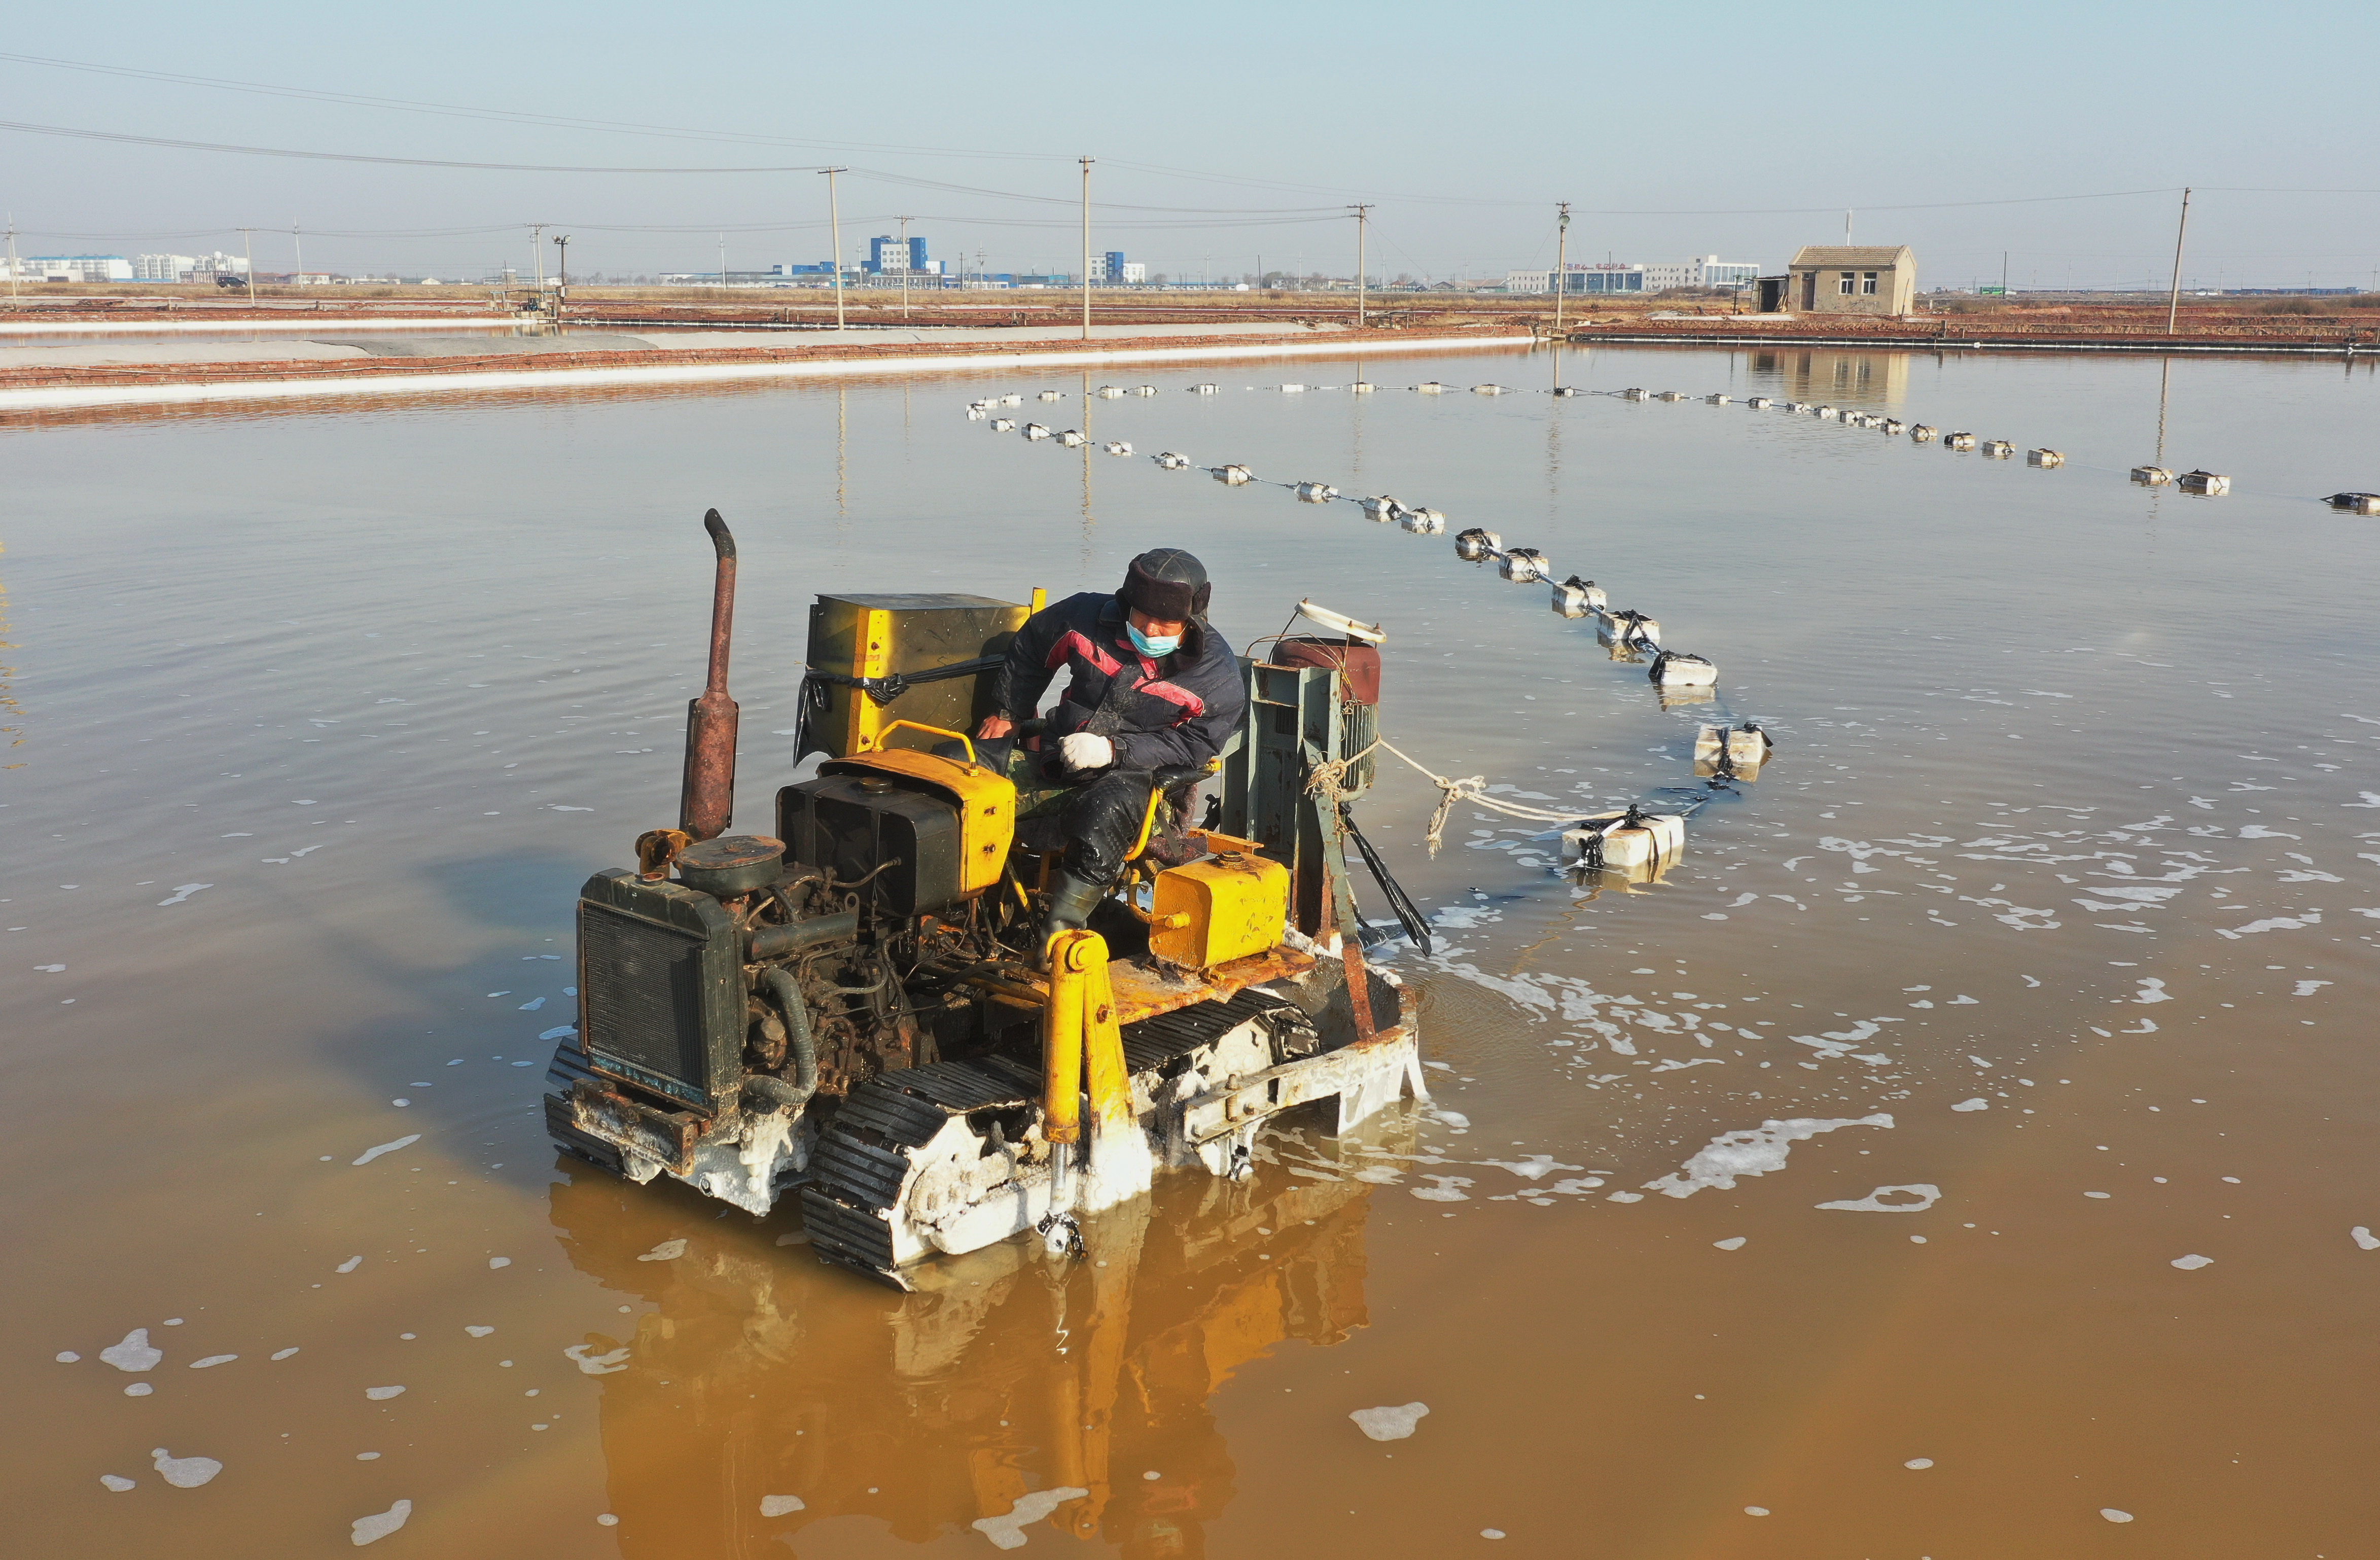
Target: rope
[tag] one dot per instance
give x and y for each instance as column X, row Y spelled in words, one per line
column 1329, row 779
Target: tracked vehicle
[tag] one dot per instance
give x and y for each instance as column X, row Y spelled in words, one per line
column 851, row 1011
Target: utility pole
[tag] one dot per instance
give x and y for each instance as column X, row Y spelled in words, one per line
column 300, row 246
column 723, row 262
column 834, row 227
column 1086, row 249
column 1847, row 227
column 905, row 263
column 562, row 281
column 537, row 259
column 248, row 249
column 1363, row 231
column 1562, row 265
column 2173, row 307
column 13, row 303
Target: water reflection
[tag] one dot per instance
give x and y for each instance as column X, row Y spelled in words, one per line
column 1814, row 375
column 761, row 1373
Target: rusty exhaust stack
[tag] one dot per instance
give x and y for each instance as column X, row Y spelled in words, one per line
column 707, row 800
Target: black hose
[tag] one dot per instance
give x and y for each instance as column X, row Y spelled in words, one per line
column 799, row 1047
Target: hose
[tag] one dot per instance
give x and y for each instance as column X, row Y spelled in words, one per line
column 799, row 1047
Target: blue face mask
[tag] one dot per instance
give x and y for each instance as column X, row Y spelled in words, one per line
column 1150, row 646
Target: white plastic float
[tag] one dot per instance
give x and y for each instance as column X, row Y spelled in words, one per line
column 1477, row 544
column 1314, row 493
column 1421, row 523
column 1169, row 461
column 2043, row 457
column 1524, row 565
column 1035, row 430
column 1233, row 476
column 2206, row 484
column 1576, row 598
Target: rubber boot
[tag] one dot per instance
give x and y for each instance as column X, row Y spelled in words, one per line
column 1072, row 900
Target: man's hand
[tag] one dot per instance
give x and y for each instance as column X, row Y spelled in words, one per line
column 1084, row 750
column 995, row 726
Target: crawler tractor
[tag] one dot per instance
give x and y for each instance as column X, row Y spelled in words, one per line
column 852, row 1010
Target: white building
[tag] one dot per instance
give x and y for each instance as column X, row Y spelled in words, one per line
column 1709, row 270
column 79, row 267
column 161, row 267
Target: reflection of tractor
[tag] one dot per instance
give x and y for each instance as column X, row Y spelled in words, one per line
column 936, row 1410
column 855, row 1006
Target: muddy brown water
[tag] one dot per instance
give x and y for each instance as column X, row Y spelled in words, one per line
column 2057, row 903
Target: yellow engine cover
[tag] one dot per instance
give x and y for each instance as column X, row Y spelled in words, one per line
column 1219, row 909
column 985, row 799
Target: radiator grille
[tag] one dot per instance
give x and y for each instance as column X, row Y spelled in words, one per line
column 641, row 996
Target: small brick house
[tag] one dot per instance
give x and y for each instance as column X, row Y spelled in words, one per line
column 1872, row 279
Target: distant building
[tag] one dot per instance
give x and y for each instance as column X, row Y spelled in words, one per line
column 1112, row 270
column 163, row 267
column 1709, row 270
column 1846, row 279
column 79, row 267
column 888, row 255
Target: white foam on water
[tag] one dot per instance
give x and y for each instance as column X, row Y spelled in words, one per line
column 69, row 1357
column 1491, row 1532
column 1755, row 1511
column 606, row 1519
column 2362, row 1236
column 2112, row 1515
column 285, row 1354
column 183, row 892
column 595, row 1364
column 2192, row 1262
column 184, row 1473
column 349, row 1265
column 558, row 1033
column 2307, row 988
column 371, row 1154
column 1391, row 1423
column 1008, row 1532
column 780, row 1506
column 1752, row 1151
column 118, row 1482
column 379, row 1524
column 1732, row 1243
column 1972, row 1106
column 212, row 1360
column 667, row 1251
column 1873, row 1201
column 1529, row 1168
column 383, row 1393
column 478, row 1332
column 138, row 1389
column 1919, row 1462
column 133, row 1353
column 500, row 1261
column 532, row 1005
column 1448, row 1189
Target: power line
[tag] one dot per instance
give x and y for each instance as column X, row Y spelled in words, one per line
column 126, row 138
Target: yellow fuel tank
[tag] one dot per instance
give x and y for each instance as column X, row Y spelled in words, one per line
column 1218, row 909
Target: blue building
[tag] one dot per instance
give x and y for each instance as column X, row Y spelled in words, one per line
column 884, row 253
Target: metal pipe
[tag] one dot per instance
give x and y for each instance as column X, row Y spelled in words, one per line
column 776, row 941
column 706, row 798
column 799, row 1045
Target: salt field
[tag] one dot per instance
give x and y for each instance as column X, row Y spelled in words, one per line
column 2056, row 901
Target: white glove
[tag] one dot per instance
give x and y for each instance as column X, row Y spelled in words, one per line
column 1084, row 749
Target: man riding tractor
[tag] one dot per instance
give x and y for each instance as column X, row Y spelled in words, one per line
column 1155, row 693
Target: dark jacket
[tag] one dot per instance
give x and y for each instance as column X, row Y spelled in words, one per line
column 1178, row 709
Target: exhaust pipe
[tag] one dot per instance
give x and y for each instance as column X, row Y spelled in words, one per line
column 707, row 800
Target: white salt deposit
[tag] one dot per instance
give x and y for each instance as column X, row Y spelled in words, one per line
column 1927, row 1195
column 478, row 1332
column 780, row 1506
column 2112, row 1515
column 379, row 1524
column 117, row 1481
column 532, row 1005
column 559, row 1033
column 2362, row 1234
column 69, row 1357
column 349, row 1265
column 667, row 1251
column 606, row 1519
column 1448, row 1189
column 371, row 1154
column 184, row 1473
column 212, row 1360
column 1753, row 1152
column 183, row 892
column 138, row 1389
column 1732, row 1243
column 133, row 1353
column 1755, row 1511
column 500, row 1261
column 1389, row 1424
column 1530, row 1166
column 2192, row 1262
column 383, row 1393
column 596, row 1364
column 285, row 1354
column 1919, row 1462
column 1972, row 1106
column 1008, row 1532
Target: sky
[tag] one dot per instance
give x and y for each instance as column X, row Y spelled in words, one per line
column 1225, row 135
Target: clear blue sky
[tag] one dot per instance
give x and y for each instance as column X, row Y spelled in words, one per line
column 1464, row 124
